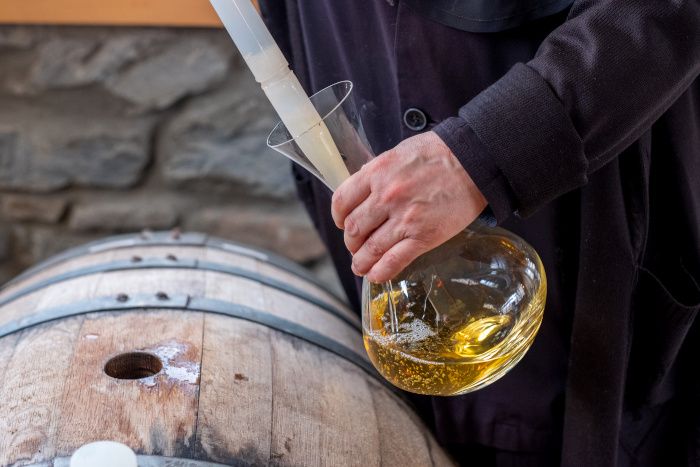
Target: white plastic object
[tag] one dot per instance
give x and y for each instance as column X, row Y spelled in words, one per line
column 104, row 454
column 281, row 86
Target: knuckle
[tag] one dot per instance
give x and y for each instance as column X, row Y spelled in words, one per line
column 337, row 200
column 377, row 165
column 392, row 193
column 417, row 209
column 392, row 261
column 350, row 226
column 335, row 211
column 382, row 162
column 403, row 231
column 359, row 264
column 411, row 216
column 350, row 243
column 384, row 157
column 373, row 248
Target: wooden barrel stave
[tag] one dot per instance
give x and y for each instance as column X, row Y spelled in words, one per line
column 154, row 415
column 32, row 390
column 163, row 244
column 160, row 252
column 108, row 260
column 307, row 429
column 263, row 397
column 172, row 282
column 236, row 354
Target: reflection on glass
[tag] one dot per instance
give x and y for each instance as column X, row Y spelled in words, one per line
column 452, row 323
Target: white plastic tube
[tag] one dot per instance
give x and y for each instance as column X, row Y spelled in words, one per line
column 281, row 86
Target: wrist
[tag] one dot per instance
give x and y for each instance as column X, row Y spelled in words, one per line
column 480, row 167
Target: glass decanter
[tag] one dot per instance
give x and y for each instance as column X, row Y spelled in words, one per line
column 458, row 317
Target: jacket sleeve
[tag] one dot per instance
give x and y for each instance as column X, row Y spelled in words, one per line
column 596, row 84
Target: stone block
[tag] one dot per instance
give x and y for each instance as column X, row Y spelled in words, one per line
column 45, row 152
column 36, row 243
column 185, row 67
column 221, row 138
column 22, row 169
column 286, row 231
column 16, row 37
column 122, row 215
column 27, row 208
column 76, row 61
column 63, row 62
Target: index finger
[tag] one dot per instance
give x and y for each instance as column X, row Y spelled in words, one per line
column 350, row 194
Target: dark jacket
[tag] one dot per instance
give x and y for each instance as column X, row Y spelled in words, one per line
column 582, row 129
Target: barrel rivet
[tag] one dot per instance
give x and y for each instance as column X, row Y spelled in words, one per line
column 136, row 259
column 162, row 296
column 175, row 234
column 171, row 257
column 122, row 297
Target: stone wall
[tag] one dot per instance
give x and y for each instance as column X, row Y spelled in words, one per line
column 106, row 130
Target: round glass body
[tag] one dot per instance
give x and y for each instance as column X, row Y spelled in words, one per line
column 459, row 317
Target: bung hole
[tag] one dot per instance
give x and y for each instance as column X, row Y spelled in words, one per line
column 133, row 365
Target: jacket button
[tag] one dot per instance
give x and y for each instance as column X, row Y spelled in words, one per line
column 415, row 119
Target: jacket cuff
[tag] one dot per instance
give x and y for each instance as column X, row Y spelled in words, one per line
column 529, row 137
column 464, row 144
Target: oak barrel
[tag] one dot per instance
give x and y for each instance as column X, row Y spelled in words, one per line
column 192, row 351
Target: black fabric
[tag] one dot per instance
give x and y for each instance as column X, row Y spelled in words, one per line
column 464, row 143
column 487, row 15
column 587, row 124
column 560, row 112
column 519, row 101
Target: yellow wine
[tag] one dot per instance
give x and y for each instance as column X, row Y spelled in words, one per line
column 452, row 329
column 435, row 366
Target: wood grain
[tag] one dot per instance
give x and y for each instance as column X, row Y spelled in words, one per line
column 322, row 411
column 255, row 295
column 178, row 253
column 402, row 438
column 50, row 297
column 267, row 269
column 32, row 390
column 7, row 349
column 123, row 12
column 125, row 254
column 236, row 394
column 151, row 415
column 178, row 281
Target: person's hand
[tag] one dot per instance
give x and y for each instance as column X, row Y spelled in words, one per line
column 404, row 203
